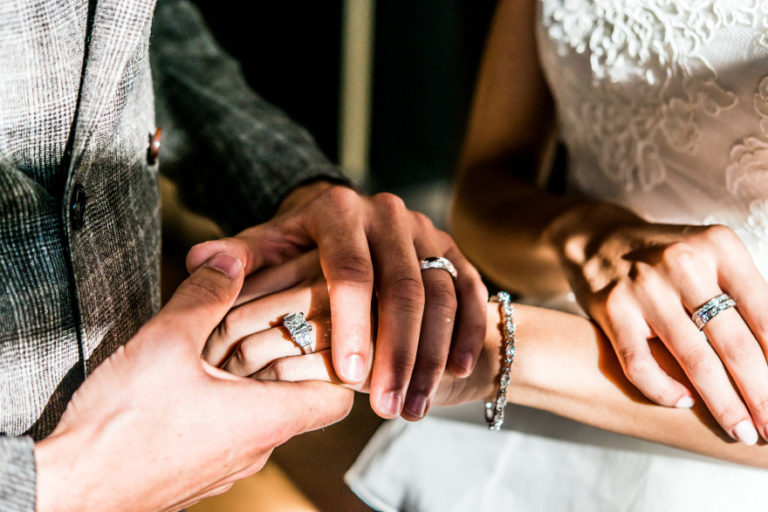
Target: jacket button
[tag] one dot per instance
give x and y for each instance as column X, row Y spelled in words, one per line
column 77, row 207
column 154, row 146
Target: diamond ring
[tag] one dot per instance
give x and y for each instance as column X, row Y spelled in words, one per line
column 301, row 332
column 711, row 309
column 441, row 263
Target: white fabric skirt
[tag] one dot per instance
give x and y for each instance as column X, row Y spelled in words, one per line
column 540, row 462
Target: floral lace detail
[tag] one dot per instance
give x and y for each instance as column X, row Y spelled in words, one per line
column 651, row 84
column 748, row 173
column 747, row 180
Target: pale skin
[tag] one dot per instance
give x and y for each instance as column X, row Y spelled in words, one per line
column 156, row 428
column 563, row 365
column 638, row 280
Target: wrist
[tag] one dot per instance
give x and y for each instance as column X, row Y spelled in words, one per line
column 586, row 221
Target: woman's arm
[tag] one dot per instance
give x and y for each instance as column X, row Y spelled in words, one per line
column 509, row 139
column 564, row 365
column 636, row 279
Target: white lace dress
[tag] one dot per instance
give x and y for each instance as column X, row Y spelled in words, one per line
column 663, row 106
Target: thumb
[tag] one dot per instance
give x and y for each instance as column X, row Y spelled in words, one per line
column 204, row 298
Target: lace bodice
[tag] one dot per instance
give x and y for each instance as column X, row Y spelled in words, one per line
column 663, row 106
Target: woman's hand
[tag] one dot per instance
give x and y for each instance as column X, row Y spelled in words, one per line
column 251, row 341
column 640, row 281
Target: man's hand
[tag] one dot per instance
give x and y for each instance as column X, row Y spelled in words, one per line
column 156, row 428
column 369, row 244
column 263, row 349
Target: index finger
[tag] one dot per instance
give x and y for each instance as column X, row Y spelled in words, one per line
column 346, row 263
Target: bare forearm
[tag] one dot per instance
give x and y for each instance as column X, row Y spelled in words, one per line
column 509, row 137
column 565, row 366
column 501, row 224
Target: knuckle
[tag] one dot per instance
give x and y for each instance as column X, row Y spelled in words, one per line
column 389, row 204
column 281, row 371
column 442, row 296
column 737, row 349
column 760, row 409
column 431, row 369
column 677, row 254
column 223, row 331
column 227, row 328
column 615, row 302
column 423, row 223
column 402, row 364
column 429, row 373
column 341, row 198
column 241, row 355
column 759, row 324
column 729, row 415
column 640, row 370
column 698, row 364
column 645, row 277
column 408, row 294
column 636, row 366
column 719, row 234
column 352, row 268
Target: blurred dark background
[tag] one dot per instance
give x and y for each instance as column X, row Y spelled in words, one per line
column 424, row 61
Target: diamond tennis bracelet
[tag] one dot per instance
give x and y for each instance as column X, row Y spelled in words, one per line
column 494, row 411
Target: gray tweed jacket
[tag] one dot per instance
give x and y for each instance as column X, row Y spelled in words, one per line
column 79, row 204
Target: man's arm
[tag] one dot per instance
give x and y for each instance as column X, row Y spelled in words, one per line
column 233, row 155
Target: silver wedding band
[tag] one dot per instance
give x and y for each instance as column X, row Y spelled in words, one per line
column 711, row 309
column 301, row 332
column 439, row 263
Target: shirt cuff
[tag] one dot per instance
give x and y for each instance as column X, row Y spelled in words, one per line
column 17, row 474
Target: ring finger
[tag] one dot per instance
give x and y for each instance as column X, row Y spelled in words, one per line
column 739, row 350
column 257, row 351
column 436, row 332
column 262, row 314
column 699, row 361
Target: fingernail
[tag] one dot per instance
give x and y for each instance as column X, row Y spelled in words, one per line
column 416, row 404
column 391, row 403
column 464, row 362
column 686, row 402
column 354, row 368
column 745, row 432
column 225, row 263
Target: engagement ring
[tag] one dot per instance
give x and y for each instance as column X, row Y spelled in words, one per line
column 711, row 309
column 301, row 332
